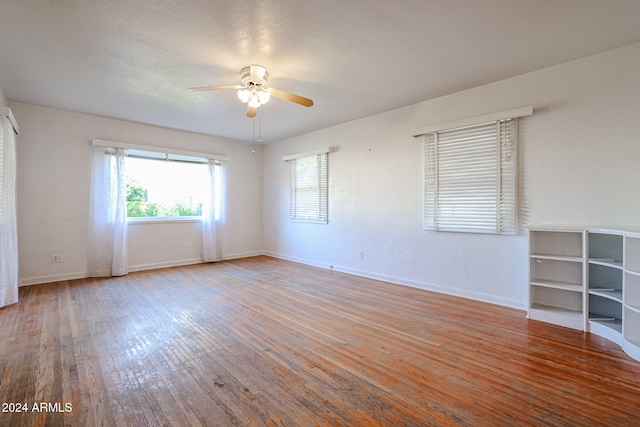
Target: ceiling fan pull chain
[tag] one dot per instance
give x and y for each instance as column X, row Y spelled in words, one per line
column 253, row 137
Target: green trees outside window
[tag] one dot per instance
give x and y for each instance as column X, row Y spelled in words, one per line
column 159, row 189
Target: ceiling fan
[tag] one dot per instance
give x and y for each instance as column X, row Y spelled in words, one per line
column 253, row 90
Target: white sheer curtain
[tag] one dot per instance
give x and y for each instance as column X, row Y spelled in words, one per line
column 213, row 211
column 107, row 248
column 8, row 227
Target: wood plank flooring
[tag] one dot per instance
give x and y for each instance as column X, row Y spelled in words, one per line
column 264, row 342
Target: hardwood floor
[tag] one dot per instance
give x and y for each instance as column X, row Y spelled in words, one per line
column 264, row 342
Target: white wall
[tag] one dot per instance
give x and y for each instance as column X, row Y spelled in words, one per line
column 3, row 100
column 53, row 194
column 579, row 157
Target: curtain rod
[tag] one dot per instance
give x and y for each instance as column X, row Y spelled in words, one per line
column 116, row 144
column 6, row 112
column 500, row 115
column 324, row 150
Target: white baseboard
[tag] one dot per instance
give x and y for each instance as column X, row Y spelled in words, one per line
column 302, row 261
column 356, row 272
column 143, row 267
column 39, row 280
column 242, row 255
column 156, row 265
column 492, row 299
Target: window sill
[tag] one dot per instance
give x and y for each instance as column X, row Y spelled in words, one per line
column 163, row 220
column 309, row 221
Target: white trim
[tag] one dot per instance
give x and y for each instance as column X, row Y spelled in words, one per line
column 135, row 220
column 241, row 255
column 38, row 280
column 166, row 264
column 125, row 145
column 310, row 221
column 6, row 112
column 491, row 117
column 632, row 231
column 185, row 262
column 324, row 150
column 446, row 290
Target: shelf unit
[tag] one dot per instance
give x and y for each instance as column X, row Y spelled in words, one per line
column 556, row 277
column 587, row 279
column 605, row 279
column 631, row 313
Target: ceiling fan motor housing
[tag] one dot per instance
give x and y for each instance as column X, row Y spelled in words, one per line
column 254, row 75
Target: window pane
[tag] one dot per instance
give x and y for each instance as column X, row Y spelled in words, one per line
column 309, row 188
column 157, row 188
column 470, row 179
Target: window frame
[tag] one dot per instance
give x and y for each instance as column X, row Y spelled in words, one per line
column 169, row 154
column 300, row 207
column 470, row 179
column 158, row 156
column 505, row 164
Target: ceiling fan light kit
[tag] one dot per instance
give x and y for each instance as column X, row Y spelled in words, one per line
column 254, row 77
column 253, row 96
column 253, row 92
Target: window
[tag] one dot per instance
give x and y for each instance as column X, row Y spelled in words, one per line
column 470, row 178
column 308, row 186
column 161, row 185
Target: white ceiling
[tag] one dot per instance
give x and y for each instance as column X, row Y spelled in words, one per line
column 133, row 60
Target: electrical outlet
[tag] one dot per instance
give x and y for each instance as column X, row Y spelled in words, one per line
column 56, row 258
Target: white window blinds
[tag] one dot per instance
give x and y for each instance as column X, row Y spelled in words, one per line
column 470, row 178
column 308, row 183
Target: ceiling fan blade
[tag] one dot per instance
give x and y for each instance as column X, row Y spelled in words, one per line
column 251, row 111
column 204, row 88
column 291, row 97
